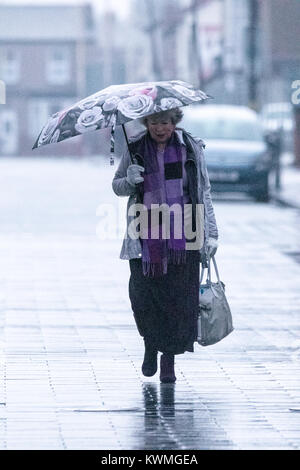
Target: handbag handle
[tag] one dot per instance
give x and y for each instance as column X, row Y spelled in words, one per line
column 209, row 271
column 216, row 269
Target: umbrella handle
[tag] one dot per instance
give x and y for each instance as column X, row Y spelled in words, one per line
column 131, row 157
column 112, row 146
column 135, row 159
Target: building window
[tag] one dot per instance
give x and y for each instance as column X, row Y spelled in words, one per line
column 40, row 110
column 38, row 113
column 58, row 66
column 9, row 65
column 8, row 132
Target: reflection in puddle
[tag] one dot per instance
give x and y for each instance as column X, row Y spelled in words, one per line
column 164, row 422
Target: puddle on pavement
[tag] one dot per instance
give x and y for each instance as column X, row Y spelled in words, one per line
column 293, row 254
column 104, row 410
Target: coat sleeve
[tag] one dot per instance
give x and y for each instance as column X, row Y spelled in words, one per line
column 120, row 185
column 213, row 229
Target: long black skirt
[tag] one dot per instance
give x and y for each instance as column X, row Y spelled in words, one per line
column 165, row 308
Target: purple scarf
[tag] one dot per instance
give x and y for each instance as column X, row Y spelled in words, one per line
column 163, row 183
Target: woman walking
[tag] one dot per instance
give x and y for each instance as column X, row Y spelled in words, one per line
column 164, row 272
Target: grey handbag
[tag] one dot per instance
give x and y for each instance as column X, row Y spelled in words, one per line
column 214, row 315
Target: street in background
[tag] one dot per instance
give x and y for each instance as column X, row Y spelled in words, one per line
column 237, row 154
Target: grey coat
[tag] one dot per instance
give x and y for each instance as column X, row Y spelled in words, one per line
column 199, row 180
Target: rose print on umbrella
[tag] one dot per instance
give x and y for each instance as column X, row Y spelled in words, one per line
column 116, row 105
column 150, row 91
column 89, row 119
column 89, row 103
column 186, row 92
column 169, row 103
column 55, row 137
column 111, row 103
column 136, row 106
column 48, row 130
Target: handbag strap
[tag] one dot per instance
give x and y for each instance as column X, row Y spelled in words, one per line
column 208, row 277
column 209, row 271
column 216, row 269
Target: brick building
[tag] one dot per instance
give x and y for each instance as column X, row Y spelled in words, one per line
column 46, row 54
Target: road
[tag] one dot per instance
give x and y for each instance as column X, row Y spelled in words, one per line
column 71, row 369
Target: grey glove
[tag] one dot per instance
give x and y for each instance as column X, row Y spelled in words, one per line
column 133, row 174
column 212, row 246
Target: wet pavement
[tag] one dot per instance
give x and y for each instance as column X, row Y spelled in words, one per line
column 71, row 369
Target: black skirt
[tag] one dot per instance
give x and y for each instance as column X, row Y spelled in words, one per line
column 165, row 308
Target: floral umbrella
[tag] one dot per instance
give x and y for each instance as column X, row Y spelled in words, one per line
column 116, row 105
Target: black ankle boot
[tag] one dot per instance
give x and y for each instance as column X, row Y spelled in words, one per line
column 149, row 366
column 167, row 373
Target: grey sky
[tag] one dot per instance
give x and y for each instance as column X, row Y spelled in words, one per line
column 119, row 6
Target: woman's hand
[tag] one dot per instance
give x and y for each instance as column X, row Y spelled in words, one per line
column 133, row 174
column 212, row 245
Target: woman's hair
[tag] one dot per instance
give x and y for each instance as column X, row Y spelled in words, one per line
column 174, row 114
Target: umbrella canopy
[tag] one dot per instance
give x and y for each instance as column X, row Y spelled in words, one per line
column 116, row 105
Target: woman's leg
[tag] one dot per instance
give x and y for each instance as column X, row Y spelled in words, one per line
column 146, row 322
column 149, row 366
column 167, row 372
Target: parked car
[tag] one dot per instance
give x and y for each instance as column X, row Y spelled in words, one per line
column 278, row 117
column 237, row 155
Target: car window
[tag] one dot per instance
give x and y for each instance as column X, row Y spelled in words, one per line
column 224, row 128
column 278, row 115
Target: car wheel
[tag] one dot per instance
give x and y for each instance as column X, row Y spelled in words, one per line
column 263, row 195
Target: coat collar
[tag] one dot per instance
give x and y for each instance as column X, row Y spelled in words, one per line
column 185, row 139
column 178, row 132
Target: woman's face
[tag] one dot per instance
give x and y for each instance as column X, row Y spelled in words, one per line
column 160, row 130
